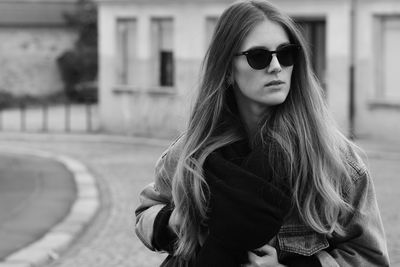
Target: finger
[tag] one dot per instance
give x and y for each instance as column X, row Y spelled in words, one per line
column 258, row 252
column 253, row 259
column 265, row 261
column 266, row 250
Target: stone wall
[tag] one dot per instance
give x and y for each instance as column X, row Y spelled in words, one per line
column 28, row 58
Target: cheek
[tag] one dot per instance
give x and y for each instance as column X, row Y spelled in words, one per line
column 289, row 76
column 244, row 76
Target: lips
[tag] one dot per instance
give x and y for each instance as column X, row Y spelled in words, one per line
column 274, row 82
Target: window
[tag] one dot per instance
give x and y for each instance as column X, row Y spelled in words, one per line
column 163, row 65
column 126, row 51
column 314, row 32
column 389, row 56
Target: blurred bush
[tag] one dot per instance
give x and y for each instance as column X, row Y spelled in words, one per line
column 79, row 66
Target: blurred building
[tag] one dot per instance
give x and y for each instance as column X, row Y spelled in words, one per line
column 33, row 34
column 151, row 52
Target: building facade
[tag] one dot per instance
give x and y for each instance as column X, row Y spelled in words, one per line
column 33, row 34
column 151, row 52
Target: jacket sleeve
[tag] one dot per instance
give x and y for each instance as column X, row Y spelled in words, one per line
column 156, row 205
column 365, row 241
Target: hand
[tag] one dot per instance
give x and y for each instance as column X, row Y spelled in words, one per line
column 265, row 256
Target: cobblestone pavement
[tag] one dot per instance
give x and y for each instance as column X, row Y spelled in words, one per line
column 123, row 168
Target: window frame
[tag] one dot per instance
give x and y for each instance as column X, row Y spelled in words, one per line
column 155, row 58
column 125, row 57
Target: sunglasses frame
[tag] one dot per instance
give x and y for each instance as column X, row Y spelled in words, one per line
column 246, row 53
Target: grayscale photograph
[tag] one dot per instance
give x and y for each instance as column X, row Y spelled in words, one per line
column 199, row 133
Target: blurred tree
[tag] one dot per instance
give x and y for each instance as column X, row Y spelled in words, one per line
column 85, row 21
column 79, row 65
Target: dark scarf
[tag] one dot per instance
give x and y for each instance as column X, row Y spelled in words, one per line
column 247, row 205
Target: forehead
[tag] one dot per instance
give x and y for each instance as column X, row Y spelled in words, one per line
column 267, row 34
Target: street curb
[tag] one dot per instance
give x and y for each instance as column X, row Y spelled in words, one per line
column 60, row 236
column 84, row 137
column 372, row 150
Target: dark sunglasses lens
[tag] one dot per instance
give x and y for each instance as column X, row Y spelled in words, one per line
column 286, row 56
column 259, row 58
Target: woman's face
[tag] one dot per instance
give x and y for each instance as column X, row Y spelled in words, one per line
column 257, row 90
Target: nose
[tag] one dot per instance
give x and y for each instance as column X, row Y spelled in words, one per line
column 274, row 65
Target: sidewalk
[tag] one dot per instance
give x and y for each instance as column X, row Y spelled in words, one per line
column 123, row 165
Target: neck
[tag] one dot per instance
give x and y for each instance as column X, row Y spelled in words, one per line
column 250, row 121
column 251, row 114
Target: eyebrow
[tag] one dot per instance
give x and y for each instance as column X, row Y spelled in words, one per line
column 263, row 47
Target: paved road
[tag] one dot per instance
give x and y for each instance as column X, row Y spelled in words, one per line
column 35, row 194
column 123, row 168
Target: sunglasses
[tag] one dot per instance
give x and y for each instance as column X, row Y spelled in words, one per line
column 260, row 58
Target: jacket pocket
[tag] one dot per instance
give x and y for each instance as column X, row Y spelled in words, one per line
column 300, row 240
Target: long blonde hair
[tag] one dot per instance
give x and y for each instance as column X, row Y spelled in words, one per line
column 300, row 131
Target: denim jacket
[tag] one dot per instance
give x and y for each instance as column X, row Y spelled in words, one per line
column 363, row 245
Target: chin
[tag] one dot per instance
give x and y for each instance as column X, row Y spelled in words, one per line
column 276, row 100
column 275, row 103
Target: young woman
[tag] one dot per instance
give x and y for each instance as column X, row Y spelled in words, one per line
column 261, row 176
